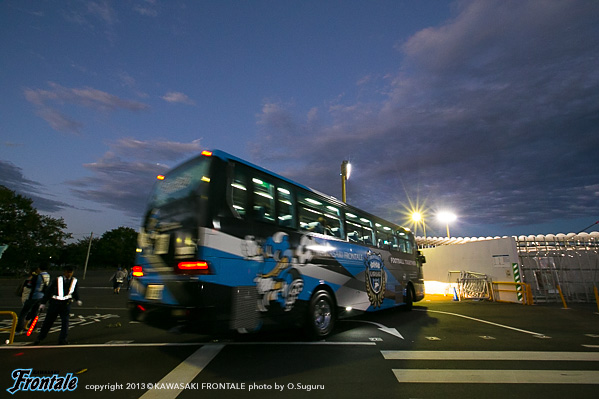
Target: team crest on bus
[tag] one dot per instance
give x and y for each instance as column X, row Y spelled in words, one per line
column 376, row 278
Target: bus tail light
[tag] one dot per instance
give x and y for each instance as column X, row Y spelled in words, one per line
column 207, row 153
column 138, row 271
column 195, row 267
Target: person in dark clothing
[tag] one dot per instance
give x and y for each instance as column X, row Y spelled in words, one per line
column 118, row 279
column 39, row 283
column 60, row 294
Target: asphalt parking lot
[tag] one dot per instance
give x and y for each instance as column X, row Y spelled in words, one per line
column 442, row 348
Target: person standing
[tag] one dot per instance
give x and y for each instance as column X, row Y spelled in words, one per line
column 118, row 278
column 60, row 294
column 39, row 283
column 25, row 289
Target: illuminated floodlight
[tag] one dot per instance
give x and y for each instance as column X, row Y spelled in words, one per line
column 446, row 218
column 345, row 173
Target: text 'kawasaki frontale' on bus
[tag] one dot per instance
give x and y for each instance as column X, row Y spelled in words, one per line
column 227, row 245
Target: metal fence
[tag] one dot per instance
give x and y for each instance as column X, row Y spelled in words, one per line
column 563, row 262
column 470, row 285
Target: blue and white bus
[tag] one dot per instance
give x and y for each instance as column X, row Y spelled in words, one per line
column 228, row 245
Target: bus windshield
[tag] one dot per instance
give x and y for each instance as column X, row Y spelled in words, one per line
column 181, row 182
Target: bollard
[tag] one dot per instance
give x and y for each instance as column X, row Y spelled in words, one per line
column 12, row 329
column 561, row 295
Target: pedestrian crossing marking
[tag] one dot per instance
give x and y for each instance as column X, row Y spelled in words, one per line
column 452, row 376
column 491, row 355
column 477, row 376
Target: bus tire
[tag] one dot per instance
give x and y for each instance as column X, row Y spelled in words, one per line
column 409, row 299
column 321, row 315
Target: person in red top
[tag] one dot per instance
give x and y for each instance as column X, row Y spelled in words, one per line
column 60, row 294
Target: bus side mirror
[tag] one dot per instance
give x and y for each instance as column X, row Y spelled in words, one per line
column 421, row 258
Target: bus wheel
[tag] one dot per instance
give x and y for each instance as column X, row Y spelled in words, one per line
column 321, row 315
column 409, row 299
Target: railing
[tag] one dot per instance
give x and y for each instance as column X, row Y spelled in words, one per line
column 473, row 285
column 14, row 325
column 470, row 285
column 522, row 290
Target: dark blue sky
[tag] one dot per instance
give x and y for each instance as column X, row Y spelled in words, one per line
column 488, row 109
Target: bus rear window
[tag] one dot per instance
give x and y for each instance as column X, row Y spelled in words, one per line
column 181, row 182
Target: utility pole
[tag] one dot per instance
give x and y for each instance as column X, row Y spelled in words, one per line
column 89, row 247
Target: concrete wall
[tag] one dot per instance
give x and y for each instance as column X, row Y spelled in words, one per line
column 494, row 257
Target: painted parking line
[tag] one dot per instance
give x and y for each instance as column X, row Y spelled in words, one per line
column 491, row 355
column 453, row 376
column 485, row 321
column 131, row 344
column 185, row 372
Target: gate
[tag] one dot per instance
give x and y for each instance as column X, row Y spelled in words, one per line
column 569, row 263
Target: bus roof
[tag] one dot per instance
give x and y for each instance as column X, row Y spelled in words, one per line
column 226, row 157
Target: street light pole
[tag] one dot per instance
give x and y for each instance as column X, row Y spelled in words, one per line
column 447, row 217
column 345, row 172
column 416, row 218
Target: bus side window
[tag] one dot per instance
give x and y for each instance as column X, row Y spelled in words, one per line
column 353, row 236
column 333, row 226
column 368, row 233
column 405, row 245
column 264, row 207
column 394, row 243
column 409, row 247
column 359, row 229
column 385, row 238
column 354, row 232
column 285, row 208
column 239, row 195
column 311, row 220
column 320, row 216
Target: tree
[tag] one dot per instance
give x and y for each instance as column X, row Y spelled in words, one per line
column 117, row 247
column 32, row 238
column 75, row 253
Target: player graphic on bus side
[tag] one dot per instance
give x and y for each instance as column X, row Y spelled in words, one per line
column 278, row 281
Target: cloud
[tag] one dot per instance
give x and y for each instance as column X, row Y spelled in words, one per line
column 494, row 114
column 176, row 97
column 47, row 102
column 147, row 8
column 11, row 176
column 59, row 121
column 123, row 177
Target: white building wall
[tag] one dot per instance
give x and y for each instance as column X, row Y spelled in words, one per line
column 493, row 257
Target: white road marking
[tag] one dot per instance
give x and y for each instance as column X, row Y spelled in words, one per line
column 185, row 372
column 23, row 345
column 383, row 328
column 497, row 376
column 484, row 321
column 491, row 355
